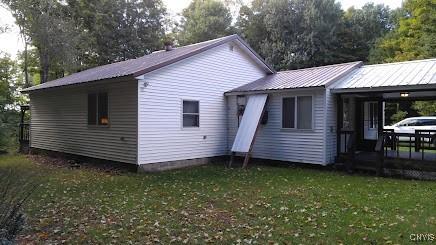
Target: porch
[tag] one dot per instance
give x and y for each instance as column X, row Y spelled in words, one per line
column 364, row 142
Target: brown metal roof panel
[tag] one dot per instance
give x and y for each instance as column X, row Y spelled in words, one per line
column 302, row 78
column 142, row 65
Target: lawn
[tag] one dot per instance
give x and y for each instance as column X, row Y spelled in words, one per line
column 214, row 204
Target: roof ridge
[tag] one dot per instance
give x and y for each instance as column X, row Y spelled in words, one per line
column 319, row 67
column 402, row 62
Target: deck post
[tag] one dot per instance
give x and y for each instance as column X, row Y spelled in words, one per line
column 380, row 141
column 339, row 119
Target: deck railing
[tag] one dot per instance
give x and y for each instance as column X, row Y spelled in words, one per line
column 24, row 133
column 415, row 145
column 347, row 145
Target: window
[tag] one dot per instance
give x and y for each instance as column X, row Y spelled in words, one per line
column 304, row 112
column 297, row 115
column 98, row 109
column 428, row 122
column 373, row 115
column 191, row 114
column 288, row 113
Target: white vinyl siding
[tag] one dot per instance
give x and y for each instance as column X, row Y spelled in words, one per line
column 204, row 77
column 294, row 145
column 59, row 121
column 330, row 127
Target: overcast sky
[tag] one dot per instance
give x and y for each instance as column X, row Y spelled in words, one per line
column 11, row 43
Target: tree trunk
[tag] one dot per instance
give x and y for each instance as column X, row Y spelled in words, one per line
column 44, row 62
column 26, row 70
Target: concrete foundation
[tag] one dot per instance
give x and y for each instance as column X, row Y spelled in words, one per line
column 163, row 166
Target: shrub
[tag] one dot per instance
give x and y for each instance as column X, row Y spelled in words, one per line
column 15, row 189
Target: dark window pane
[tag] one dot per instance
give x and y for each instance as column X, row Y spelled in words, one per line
column 304, row 112
column 103, row 109
column 288, row 113
column 428, row 122
column 190, row 106
column 190, row 120
column 92, row 109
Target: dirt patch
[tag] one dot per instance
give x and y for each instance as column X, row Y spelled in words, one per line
column 77, row 163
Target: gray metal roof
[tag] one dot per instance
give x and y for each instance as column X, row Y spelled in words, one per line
column 145, row 64
column 418, row 74
column 321, row 76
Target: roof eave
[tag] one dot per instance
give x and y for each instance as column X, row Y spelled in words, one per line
column 223, row 41
column 386, row 89
column 113, row 79
column 263, row 91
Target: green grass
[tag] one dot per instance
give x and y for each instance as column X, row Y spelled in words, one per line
column 214, row 204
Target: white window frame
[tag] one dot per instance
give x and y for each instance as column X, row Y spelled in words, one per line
column 295, row 128
column 182, row 114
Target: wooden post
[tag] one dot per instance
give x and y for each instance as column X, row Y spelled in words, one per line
column 246, row 159
column 339, row 121
column 380, row 141
column 417, row 140
column 232, row 158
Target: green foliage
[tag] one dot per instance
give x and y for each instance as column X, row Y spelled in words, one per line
column 15, row 189
column 362, row 28
column 398, row 116
column 295, row 33
column 9, row 99
column 117, row 30
column 425, row 108
column 76, row 34
column 204, row 20
column 212, row 204
column 415, row 36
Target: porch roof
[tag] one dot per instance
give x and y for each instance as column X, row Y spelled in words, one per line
column 322, row 76
column 400, row 76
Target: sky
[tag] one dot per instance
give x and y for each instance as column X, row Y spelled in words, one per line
column 11, row 42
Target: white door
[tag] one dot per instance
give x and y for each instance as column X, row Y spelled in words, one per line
column 370, row 120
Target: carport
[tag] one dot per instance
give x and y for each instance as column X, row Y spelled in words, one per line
column 361, row 99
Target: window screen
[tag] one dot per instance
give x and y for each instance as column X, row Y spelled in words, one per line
column 191, row 113
column 288, row 113
column 304, row 112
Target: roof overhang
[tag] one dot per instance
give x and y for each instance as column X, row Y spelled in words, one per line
column 84, row 84
column 399, row 88
column 271, row 91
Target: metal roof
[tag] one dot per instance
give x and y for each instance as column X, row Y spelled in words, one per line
column 321, row 76
column 145, row 64
column 418, row 74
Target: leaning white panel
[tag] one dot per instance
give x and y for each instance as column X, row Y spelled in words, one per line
column 250, row 121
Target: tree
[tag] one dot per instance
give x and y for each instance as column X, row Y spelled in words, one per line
column 293, row 33
column 414, row 37
column 204, row 20
column 9, row 82
column 117, row 30
column 425, row 108
column 48, row 26
column 74, row 35
column 363, row 27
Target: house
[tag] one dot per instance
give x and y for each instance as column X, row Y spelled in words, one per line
column 183, row 106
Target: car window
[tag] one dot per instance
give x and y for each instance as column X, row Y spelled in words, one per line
column 427, row 122
column 403, row 123
column 408, row 122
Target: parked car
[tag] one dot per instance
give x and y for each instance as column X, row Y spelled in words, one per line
column 409, row 125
